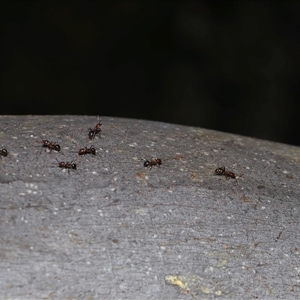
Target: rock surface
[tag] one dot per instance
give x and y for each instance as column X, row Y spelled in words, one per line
column 113, row 229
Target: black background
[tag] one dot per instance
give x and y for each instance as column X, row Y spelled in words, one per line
column 231, row 66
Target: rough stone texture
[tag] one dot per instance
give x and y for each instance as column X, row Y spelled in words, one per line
column 116, row 230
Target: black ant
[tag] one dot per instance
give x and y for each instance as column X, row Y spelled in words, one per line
column 85, row 150
column 50, row 145
column 67, row 165
column 93, row 132
column 3, row 152
column 153, row 162
column 228, row 174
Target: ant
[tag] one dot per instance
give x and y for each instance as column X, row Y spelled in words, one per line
column 228, row 174
column 85, row 150
column 67, row 165
column 50, row 145
column 3, row 152
column 93, row 132
column 153, row 162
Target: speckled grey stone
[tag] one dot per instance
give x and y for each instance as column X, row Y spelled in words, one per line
column 114, row 229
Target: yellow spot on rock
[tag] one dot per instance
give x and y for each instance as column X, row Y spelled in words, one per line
column 176, row 280
column 206, row 290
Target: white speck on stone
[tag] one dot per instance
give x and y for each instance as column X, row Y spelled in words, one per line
column 132, row 145
column 31, row 185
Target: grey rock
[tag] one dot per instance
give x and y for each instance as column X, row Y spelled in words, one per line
column 113, row 229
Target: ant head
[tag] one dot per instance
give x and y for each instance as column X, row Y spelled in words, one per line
column 93, row 150
column 4, row 152
column 56, row 147
column 61, row 164
column 46, row 143
column 158, row 161
column 146, row 163
column 82, row 151
column 73, row 166
column 220, row 171
column 98, row 126
column 91, row 133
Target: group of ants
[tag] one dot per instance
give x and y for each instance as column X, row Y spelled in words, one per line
column 92, row 132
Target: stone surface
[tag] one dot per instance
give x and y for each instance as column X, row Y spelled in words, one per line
column 114, row 229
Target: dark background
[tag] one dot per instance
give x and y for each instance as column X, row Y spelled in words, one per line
column 232, row 66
